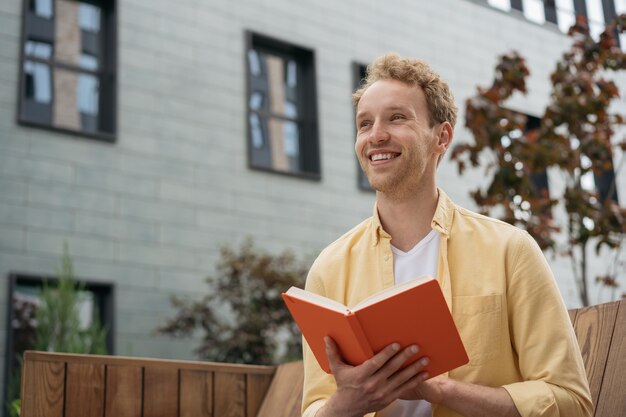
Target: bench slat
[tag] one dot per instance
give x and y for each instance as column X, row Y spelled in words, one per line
column 160, row 392
column 230, row 400
column 594, row 328
column 46, row 389
column 196, row 389
column 612, row 398
column 84, row 392
column 137, row 361
column 257, row 386
column 285, row 393
column 123, row 393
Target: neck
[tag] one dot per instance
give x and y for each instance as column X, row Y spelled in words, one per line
column 407, row 218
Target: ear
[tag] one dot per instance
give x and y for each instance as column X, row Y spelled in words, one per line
column 444, row 137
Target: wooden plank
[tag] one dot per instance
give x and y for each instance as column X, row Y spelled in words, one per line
column 84, row 392
column 594, row 328
column 196, row 393
column 572, row 315
column 145, row 362
column 160, row 392
column 43, row 388
column 612, row 398
column 256, row 388
column 124, row 387
column 285, row 393
column 229, row 395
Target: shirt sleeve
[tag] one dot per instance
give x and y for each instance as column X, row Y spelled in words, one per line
column 554, row 379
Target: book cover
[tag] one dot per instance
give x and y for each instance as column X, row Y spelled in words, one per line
column 412, row 313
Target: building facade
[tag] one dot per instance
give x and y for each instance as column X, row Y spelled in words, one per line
column 146, row 135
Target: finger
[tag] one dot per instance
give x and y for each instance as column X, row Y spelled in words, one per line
column 413, row 374
column 332, row 353
column 376, row 362
column 394, row 363
column 412, row 389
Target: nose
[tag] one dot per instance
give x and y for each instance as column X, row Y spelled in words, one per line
column 378, row 133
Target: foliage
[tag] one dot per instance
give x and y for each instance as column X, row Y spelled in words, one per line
column 59, row 327
column 15, row 407
column 574, row 138
column 243, row 315
column 53, row 324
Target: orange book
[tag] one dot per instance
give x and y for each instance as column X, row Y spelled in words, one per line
column 411, row 313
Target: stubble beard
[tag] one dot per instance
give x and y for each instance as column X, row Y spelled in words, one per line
column 407, row 178
column 398, row 183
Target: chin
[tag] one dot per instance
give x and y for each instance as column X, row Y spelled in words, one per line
column 381, row 185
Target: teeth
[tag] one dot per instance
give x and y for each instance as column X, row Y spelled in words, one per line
column 381, row 156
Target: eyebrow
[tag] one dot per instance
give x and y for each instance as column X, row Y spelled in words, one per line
column 390, row 108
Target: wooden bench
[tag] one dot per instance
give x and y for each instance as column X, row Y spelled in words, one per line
column 60, row 385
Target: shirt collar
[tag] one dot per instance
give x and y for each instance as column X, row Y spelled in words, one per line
column 444, row 214
column 377, row 227
column 442, row 220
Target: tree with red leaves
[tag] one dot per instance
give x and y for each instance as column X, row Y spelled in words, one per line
column 574, row 136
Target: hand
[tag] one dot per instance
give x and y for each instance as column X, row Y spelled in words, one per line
column 430, row 390
column 375, row 383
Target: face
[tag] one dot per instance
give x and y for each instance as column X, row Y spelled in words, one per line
column 396, row 146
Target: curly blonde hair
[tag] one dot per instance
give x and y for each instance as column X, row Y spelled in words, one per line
column 439, row 99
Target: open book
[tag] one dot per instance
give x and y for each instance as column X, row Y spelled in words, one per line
column 411, row 313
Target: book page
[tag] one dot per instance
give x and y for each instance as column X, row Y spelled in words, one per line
column 317, row 299
column 389, row 292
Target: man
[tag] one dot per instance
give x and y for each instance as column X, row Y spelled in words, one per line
column 524, row 357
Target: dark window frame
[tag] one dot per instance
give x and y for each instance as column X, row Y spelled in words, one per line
column 538, row 180
column 107, row 75
column 517, row 5
column 550, row 12
column 580, row 8
column 105, row 301
column 606, row 186
column 309, row 140
column 358, row 75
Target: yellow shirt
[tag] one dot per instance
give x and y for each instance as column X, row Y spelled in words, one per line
column 503, row 298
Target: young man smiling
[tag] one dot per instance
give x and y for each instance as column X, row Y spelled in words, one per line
column 524, row 358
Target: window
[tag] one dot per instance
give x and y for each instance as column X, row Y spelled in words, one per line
column 68, row 66
column 358, row 77
column 282, row 109
column 24, row 290
column 620, row 8
column 564, row 12
column 602, row 182
column 605, row 185
column 538, row 180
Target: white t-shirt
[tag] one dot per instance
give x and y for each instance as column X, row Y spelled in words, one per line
column 421, row 260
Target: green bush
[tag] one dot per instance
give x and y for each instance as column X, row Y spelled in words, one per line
column 58, row 317
column 57, row 325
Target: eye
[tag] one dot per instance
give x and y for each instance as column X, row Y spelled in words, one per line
column 364, row 123
column 397, row 117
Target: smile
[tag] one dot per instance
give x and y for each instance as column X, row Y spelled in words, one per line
column 383, row 156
